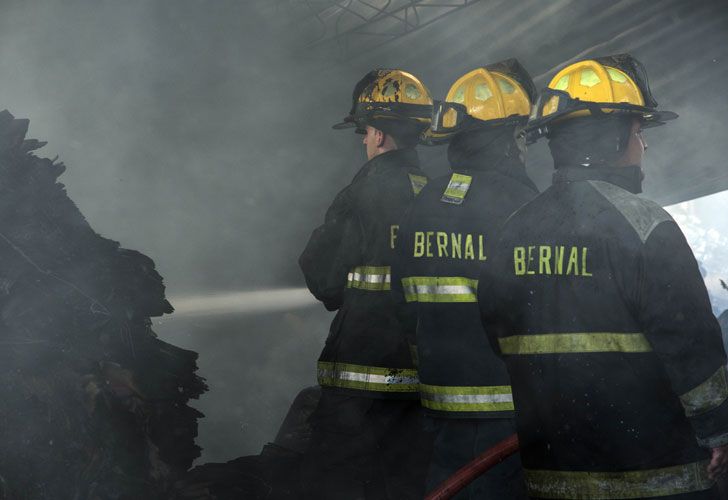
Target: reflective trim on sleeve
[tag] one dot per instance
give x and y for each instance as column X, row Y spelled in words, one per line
column 440, row 289
column 456, row 189
column 477, row 399
column 708, row 395
column 418, row 183
column 372, row 278
column 558, row 343
column 367, row 378
column 676, row 480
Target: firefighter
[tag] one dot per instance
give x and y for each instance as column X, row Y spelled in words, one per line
column 596, row 303
column 367, row 439
column 441, row 246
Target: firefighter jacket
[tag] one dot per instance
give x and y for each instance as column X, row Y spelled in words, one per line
column 441, row 245
column 347, row 266
column 596, row 303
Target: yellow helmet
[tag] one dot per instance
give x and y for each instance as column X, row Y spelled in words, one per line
column 613, row 84
column 496, row 94
column 385, row 95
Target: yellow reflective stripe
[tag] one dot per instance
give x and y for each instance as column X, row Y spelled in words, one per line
column 708, row 395
column 675, row 480
column 464, row 398
column 557, row 343
column 457, row 188
column 367, row 378
column 440, row 289
column 372, row 278
column 418, row 183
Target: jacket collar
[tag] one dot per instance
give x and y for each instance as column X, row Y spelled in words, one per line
column 501, row 165
column 629, row 178
column 397, row 158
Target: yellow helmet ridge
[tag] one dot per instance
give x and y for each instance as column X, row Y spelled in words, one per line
column 489, row 95
column 613, row 84
column 389, row 94
column 496, row 94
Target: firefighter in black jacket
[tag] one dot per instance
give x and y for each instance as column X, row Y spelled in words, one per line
column 441, row 246
column 596, row 303
column 367, row 439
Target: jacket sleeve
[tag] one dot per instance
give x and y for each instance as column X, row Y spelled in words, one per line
column 676, row 316
column 333, row 249
column 494, row 289
column 406, row 311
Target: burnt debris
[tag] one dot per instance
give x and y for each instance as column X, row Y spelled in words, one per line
column 93, row 404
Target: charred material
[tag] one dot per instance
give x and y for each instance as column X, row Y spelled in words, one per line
column 274, row 474
column 93, row 405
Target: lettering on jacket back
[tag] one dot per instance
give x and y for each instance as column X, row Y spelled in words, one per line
column 557, row 260
column 441, row 244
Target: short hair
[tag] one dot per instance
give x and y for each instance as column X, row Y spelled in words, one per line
column 406, row 133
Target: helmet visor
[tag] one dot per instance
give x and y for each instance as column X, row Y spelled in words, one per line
column 448, row 117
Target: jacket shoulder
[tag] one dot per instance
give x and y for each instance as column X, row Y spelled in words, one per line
column 642, row 215
column 379, row 186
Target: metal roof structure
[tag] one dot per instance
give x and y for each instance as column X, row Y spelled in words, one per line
column 684, row 46
column 343, row 27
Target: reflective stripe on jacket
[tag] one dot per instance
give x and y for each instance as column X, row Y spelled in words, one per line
column 597, row 305
column 441, row 245
column 347, row 266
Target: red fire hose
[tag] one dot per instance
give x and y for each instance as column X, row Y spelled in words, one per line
column 483, row 463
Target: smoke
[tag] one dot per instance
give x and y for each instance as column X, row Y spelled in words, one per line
column 249, row 302
column 198, row 132
column 192, row 133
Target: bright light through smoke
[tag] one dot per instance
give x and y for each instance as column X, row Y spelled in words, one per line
column 706, row 228
column 243, row 302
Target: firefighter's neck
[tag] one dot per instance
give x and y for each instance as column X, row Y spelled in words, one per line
column 377, row 142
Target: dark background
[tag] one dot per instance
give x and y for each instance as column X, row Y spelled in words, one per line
column 198, row 132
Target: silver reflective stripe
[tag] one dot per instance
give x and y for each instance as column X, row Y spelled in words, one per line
column 373, row 278
column 440, row 289
column 370, row 278
column 372, row 378
column 369, row 378
column 471, row 398
column 708, row 395
column 495, row 398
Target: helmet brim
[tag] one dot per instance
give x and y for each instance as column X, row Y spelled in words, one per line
column 657, row 118
column 343, row 125
column 567, row 106
column 348, row 123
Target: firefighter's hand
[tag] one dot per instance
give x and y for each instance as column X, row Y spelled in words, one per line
column 718, row 462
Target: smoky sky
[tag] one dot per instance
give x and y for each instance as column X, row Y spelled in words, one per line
column 198, row 132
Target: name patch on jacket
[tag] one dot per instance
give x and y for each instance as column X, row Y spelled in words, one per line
column 449, row 245
column 456, row 189
column 551, row 260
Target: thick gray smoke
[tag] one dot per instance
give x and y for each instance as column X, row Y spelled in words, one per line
column 198, row 132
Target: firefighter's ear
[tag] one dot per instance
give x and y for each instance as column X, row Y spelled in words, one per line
column 379, row 138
